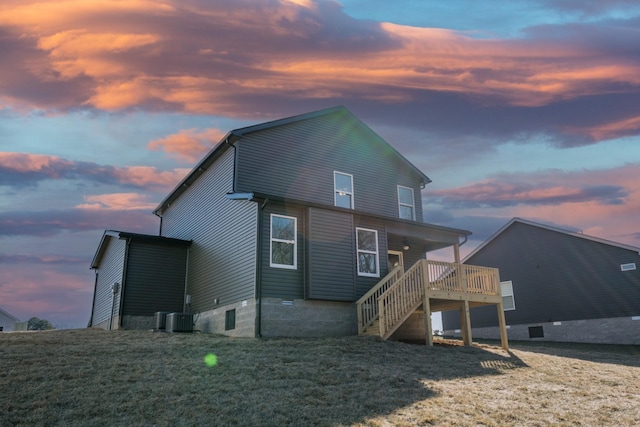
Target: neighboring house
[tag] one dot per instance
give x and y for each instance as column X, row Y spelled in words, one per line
column 293, row 221
column 7, row 321
column 136, row 276
column 559, row 285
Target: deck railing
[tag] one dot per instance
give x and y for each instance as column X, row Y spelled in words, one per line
column 398, row 294
column 447, row 276
column 367, row 306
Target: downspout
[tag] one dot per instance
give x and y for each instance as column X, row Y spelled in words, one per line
column 259, row 268
column 464, row 241
column 93, row 304
column 123, row 283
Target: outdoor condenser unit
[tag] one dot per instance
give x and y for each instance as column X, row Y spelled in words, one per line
column 161, row 320
column 179, row 322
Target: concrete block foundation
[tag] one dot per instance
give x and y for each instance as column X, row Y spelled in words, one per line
column 617, row 330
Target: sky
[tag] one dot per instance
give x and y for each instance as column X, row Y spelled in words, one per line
column 527, row 108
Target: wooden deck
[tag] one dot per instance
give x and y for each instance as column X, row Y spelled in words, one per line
column 434, row 286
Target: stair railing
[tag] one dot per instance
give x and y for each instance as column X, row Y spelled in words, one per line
column 367, row 306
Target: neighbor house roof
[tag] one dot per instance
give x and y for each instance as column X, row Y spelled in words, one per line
column 114, row 234
column 15, row 319
column 551, row 228
column 231, row 137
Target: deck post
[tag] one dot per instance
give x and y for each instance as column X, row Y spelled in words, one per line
column 503, row 327
column 465, row 323
column 428, row 328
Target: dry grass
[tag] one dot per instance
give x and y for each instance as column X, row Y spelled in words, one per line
column 92, row 377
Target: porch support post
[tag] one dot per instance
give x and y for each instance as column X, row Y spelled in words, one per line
column 465, row 323
column 426, row 305
column 462, row 279
column 503, row 327
column 428, row 328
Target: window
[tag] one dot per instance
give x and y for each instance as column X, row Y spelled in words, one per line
column 508, row 302
column 406, row 203
column 367, row 247
column 230, row 320
column 284, row 242
column 343, row 190
column 628, row 267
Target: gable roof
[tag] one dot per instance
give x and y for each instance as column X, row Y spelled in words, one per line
column 227, row 142
column 15, row 319
column 550, row 228
column 114, row 234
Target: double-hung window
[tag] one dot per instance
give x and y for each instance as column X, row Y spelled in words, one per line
column 367, row 248
column 406, row 203
column 284, row 243
column 343, row 190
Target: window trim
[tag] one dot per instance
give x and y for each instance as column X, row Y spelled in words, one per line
column 509, row 285
column 336, row 191
column 377, row 253
column 412, row 206
column 294, row 242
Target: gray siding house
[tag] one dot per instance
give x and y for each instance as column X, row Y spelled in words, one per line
column 7, row 321
column 559, row 285
column 302, row 227
column 137, row 275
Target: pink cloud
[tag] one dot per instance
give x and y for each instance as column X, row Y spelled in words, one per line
column 315, row 50
column 188, row 145
column 118, row 201
column 603, row 203
column 62, row 297
column 20, row 169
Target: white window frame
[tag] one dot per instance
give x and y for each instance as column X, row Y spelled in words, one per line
column 376, row 253
column 628, row 267
column 293, row 242
column 337, row 192
column 506, row 290
column 412, row 205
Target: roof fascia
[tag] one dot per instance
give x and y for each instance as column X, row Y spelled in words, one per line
column 9, row 315
column 261, row 197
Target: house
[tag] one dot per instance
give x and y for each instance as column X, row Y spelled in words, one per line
column 136, row 276
column 7, row 321
column 309, row 226
column 559, row 285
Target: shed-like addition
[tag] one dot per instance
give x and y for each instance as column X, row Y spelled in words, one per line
column 559, row 285
column 137, row 275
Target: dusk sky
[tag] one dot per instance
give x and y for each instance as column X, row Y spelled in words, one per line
column 527, row 108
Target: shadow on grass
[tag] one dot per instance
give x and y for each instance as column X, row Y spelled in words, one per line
column 142, row 378
column 627, row 355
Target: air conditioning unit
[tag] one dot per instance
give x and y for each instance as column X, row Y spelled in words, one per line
column 161, row 320
column 179, row 322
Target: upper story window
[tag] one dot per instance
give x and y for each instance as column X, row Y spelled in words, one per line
column 343, row 190
column 406, row 203
column 284, row 242
column 368, row 257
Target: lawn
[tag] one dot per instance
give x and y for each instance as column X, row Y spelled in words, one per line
column 93, row 377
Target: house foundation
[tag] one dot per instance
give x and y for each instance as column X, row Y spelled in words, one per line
column 307, row 318
column 617, row 330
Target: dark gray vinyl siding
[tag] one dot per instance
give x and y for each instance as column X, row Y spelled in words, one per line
column 110, row 271
column 331, row 256
column 281, row 282
column 155, row 279
column 298, row 161
column 222, row 258
column 557, row 277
